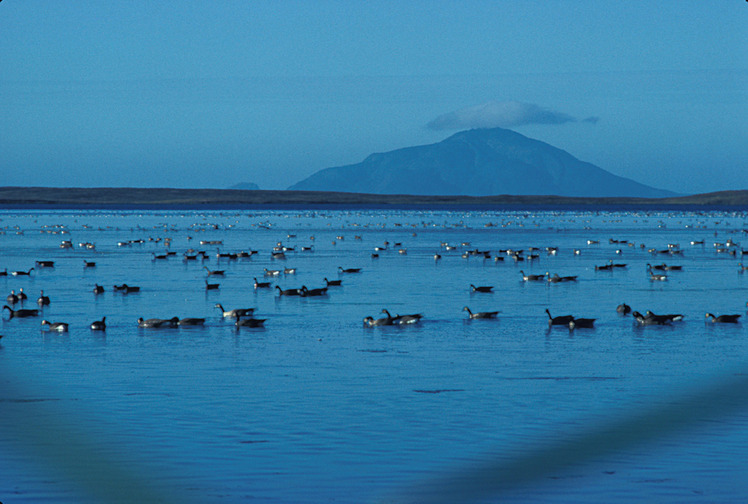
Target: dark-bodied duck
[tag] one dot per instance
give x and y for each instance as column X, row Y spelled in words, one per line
column 99, row 325
column 403, row 319
column 623, row 308
column 56, row 326
column 581, row 323
column 288, row 292
column 155, row 323
column 214, row 272
column 98, row 289
column 372, row 322
column 531, row 278
column 126, row 289
column 560, row 320
column 723, row 319
column 235, row 313
column 483, row 288
column 21, row 313
column 672, row 317
column 557, row 279
column 261, row 285
column 349, row 270
column 304, row 292
column 191, row 321
column 42, row 300
column 480, row 315
column 249, row 322
column 655, row 277
column 12, row 297
column 333, row 283
column 647, row 320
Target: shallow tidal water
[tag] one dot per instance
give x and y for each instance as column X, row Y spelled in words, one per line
column 316, row 407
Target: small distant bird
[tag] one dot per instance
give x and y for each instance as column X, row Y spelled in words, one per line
column 560, row 320
column 481, row 288
column 480, row 315
column 56, row 326
column 724, row 319
column 42, row 300
column 99, row 325
column 583, row 323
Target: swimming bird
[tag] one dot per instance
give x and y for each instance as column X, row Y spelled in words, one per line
column 349, row 270
column 671, row 317
column 45, row 264
column 42, row 300
column 531, row 278
column 372, row 322
column 56, row 326
column 333, row 283
column 556, row 279
column 127, row 288
column 288, row 292
column 480, row 315
column 272, row 272
column 560, row 320
column 88, row 264
column 655, row 277
column 20, row 313
column 98, row 289
column 191, row 321
column 249, row 322
column 481, row 288
column 235, row 313
column 605, row 267
column 211, row 286
column 99, row 325
column 726, row 319
column 261, row 285
column 12, row 297
column 623, row 308
column 22, row 273
column 155, row 323
column 289, row 271
column 214, row 272
column 304, row 292
column 403, row 319
column 581, row 323
column 648, row 320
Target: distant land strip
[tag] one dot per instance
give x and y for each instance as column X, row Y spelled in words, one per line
column 144, row 197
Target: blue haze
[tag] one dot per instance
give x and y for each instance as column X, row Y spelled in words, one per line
column 149, row 95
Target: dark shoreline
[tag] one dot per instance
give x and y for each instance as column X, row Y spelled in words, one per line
column 104, row 197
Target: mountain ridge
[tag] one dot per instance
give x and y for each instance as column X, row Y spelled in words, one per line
column 477, row 162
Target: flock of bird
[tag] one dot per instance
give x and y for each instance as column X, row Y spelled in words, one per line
column 244, row 317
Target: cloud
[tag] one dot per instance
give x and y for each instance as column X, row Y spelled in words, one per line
column 506, row 114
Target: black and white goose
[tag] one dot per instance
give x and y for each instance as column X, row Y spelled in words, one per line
column 56, row 326
column 42, row 300
column 723, row 319
column 480, row 315
column 235, row 313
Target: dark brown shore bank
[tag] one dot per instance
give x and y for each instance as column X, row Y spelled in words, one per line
column 131, row 196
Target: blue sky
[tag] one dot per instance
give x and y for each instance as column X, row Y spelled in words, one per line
column 210, row 94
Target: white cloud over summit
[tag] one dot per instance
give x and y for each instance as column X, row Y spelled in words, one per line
column 506, row 114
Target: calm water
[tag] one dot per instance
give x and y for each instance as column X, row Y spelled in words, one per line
column 317, row 408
